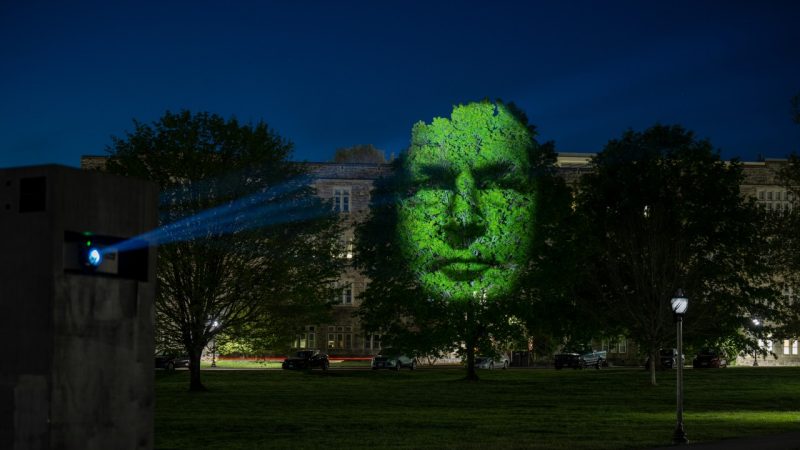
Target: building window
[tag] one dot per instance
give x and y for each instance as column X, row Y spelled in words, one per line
column 345, row 296
column 794, row 347
column 341, row 199
column 372, row 342
column 340, row 338
column 346, row 246
column 307, row 339
column 761, row 195
column 622, row 346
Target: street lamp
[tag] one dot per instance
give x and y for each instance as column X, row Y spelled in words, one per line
column 756, row 324
column 679, row 305
column 214, row 326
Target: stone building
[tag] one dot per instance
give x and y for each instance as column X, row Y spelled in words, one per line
column 761, row 183
column 348, row 186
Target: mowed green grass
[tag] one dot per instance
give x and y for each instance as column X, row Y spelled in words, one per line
column 437, row 409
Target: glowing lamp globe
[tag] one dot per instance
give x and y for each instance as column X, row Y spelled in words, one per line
column 679, row 303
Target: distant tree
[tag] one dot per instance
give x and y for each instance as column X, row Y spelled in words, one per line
column 555, row 287
column 263, row 244
column 365, row 153
column 664, row 212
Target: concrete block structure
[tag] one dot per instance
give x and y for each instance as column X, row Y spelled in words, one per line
column 77, row 369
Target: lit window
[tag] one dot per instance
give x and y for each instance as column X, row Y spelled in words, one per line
column 340, row 340
column 346, row 246
column 786, row 345
column 794, row 347
column 307, row 339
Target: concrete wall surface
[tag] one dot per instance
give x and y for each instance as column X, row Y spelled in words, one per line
column 77, row 372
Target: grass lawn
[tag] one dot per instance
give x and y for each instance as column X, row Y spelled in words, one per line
column 435, row 408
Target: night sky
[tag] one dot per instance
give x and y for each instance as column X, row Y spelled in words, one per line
column 338, row 73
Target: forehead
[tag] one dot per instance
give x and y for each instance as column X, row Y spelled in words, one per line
column 460, row 158
column 474, row 138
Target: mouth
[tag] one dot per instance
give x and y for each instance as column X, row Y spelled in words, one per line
column 463, row 269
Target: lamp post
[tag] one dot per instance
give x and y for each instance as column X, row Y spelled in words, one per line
column 756, row 324
column 679, row 305
column 214, row 345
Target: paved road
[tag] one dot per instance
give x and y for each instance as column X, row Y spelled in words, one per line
column 783, row 441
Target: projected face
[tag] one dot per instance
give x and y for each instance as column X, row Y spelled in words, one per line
column 467, row 223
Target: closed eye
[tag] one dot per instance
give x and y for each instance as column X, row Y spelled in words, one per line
column 499, row 176
column 435, row 176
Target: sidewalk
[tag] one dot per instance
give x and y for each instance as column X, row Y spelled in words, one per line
column 784, row 441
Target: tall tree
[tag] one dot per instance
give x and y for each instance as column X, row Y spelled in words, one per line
column 664, row 212
column 243, row 236
column 445, row 254
column 364, row 153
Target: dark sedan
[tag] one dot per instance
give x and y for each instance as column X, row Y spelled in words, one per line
column 170, row 362
column 709, row 358
column 306, row 360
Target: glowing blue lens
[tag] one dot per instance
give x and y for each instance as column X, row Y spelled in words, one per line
column 94, row 257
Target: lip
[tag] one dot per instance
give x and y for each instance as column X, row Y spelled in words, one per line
column 463, row 269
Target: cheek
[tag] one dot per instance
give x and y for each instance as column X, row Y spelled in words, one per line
column 420, row 222
column 509, row 221
column 426, row 207
column 508, row 214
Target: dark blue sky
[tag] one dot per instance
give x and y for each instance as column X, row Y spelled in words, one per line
column 333, row 74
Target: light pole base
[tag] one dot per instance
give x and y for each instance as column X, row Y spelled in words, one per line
column 679, row 436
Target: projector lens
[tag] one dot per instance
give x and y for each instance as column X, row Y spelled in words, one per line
column 94, row 257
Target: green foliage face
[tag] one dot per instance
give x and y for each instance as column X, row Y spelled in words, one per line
column 466, row 223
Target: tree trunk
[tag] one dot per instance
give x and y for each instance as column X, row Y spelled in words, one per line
column 472, row 339
column 652, row 368
column 195, row 385
column 471, row 374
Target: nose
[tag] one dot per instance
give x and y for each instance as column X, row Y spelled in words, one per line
column 466, row 221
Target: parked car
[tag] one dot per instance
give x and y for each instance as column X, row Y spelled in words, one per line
column 390, row 359
column 707, row 358
column 667, row 358
column 170, row 362
column 491, row 362
column 592, row 358
column 306, row 360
